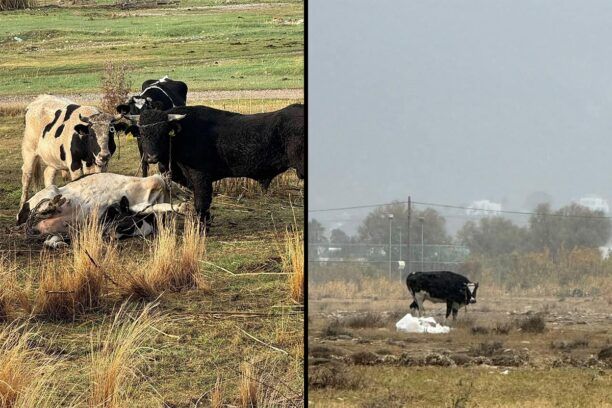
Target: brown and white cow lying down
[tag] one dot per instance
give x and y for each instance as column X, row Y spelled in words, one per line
column 54, row 210
column 62, row 135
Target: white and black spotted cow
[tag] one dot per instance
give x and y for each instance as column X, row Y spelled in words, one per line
column 62, row 135
column 56, row 210
column 441, row 287
column 162, row 94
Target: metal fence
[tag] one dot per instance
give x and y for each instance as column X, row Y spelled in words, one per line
column 383, row 260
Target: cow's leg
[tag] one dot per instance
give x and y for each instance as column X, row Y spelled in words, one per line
column 143, row 163
column 76, row 173
column 449, row 307
column 202, row 194
column 28, row 171
column 419, row 298
column 413, row 306
column 455, row 310
column 49, row 176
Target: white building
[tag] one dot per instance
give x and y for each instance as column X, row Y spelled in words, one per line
column 484, row 207
column 595, row 203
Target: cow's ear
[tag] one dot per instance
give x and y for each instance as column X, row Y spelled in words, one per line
column 82, row 130
column 123, row 109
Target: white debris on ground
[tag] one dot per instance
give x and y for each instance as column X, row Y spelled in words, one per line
column 411, row 324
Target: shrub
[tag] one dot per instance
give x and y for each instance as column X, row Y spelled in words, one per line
column 487, row 348
column 334, row 328
column 532, row 324
column 331, row 375
column 365, row 320
column 569, row 344
column 480, row 330
column 115, row 86
column 364, row 358
column 502, row 327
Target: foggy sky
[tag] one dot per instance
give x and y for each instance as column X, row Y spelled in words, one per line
column 456, row 101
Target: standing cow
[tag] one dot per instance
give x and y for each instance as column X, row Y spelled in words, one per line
column 211, row 144
column 162, row 94
column 62, row 135
column 441, row 287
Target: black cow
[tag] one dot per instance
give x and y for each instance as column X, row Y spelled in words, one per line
column 441, row 287
column 162, row 94
column 210, row 144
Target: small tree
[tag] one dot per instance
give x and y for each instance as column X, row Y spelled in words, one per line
column 115, row 86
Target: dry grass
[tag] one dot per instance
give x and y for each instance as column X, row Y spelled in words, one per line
column 359, row 288
column 216, row 396
column 12, row 296
column 114, row 366
column 24, row 371
column 69, row 289
column 532, row 324
column 174, row 263
column 293, row 262
column 248, row 386
column 115, row 86
column 16, row 4
column 246, row 187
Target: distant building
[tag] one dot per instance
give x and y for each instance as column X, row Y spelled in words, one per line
column 484, row 207
column 595, row 203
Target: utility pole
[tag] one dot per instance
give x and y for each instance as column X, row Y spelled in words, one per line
column 390, row 223
column 408, row 237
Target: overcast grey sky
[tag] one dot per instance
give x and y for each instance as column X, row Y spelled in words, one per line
column 455, row 101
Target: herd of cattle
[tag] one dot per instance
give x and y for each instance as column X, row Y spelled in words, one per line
column 193, row 146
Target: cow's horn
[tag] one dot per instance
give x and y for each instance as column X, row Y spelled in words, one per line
column 133, row 118
column 84, row 119
column 174, row 116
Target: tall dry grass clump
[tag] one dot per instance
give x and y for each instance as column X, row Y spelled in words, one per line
column 12, row 295
column 117, row 354
column 6, row 5
column 24, row 371
column 68, row 289
column 115, row 86
column 249, row 188
column 248, row 387
column 174, row 261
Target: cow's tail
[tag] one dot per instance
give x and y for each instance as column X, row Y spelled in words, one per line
column 37, row 181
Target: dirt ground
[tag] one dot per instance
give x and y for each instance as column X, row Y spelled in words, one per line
column 503, row 351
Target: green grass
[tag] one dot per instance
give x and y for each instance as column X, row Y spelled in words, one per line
column 64, row 49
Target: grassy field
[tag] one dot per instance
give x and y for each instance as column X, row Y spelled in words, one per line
column 236, row 339
column 209, row 46
column 508, row 350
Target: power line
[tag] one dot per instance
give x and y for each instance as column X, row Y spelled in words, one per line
column 459, row 207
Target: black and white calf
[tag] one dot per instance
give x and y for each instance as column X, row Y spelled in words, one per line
column 62, row 135
column 441, row 287
column 162, row 94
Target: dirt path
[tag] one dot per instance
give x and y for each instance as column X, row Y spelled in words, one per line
column 192, row 96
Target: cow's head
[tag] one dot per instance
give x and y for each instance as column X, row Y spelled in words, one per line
column 99, row 132
column 470, row 292
column 156, row 128
column 136, row 104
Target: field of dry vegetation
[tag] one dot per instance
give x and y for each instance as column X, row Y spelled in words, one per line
column 549, row 346
column 181, row 320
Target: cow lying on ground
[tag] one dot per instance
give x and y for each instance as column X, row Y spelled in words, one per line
column 211, row 144
column 61, row 135
column 125, row 201
column 441, row 287
column 161, row 94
